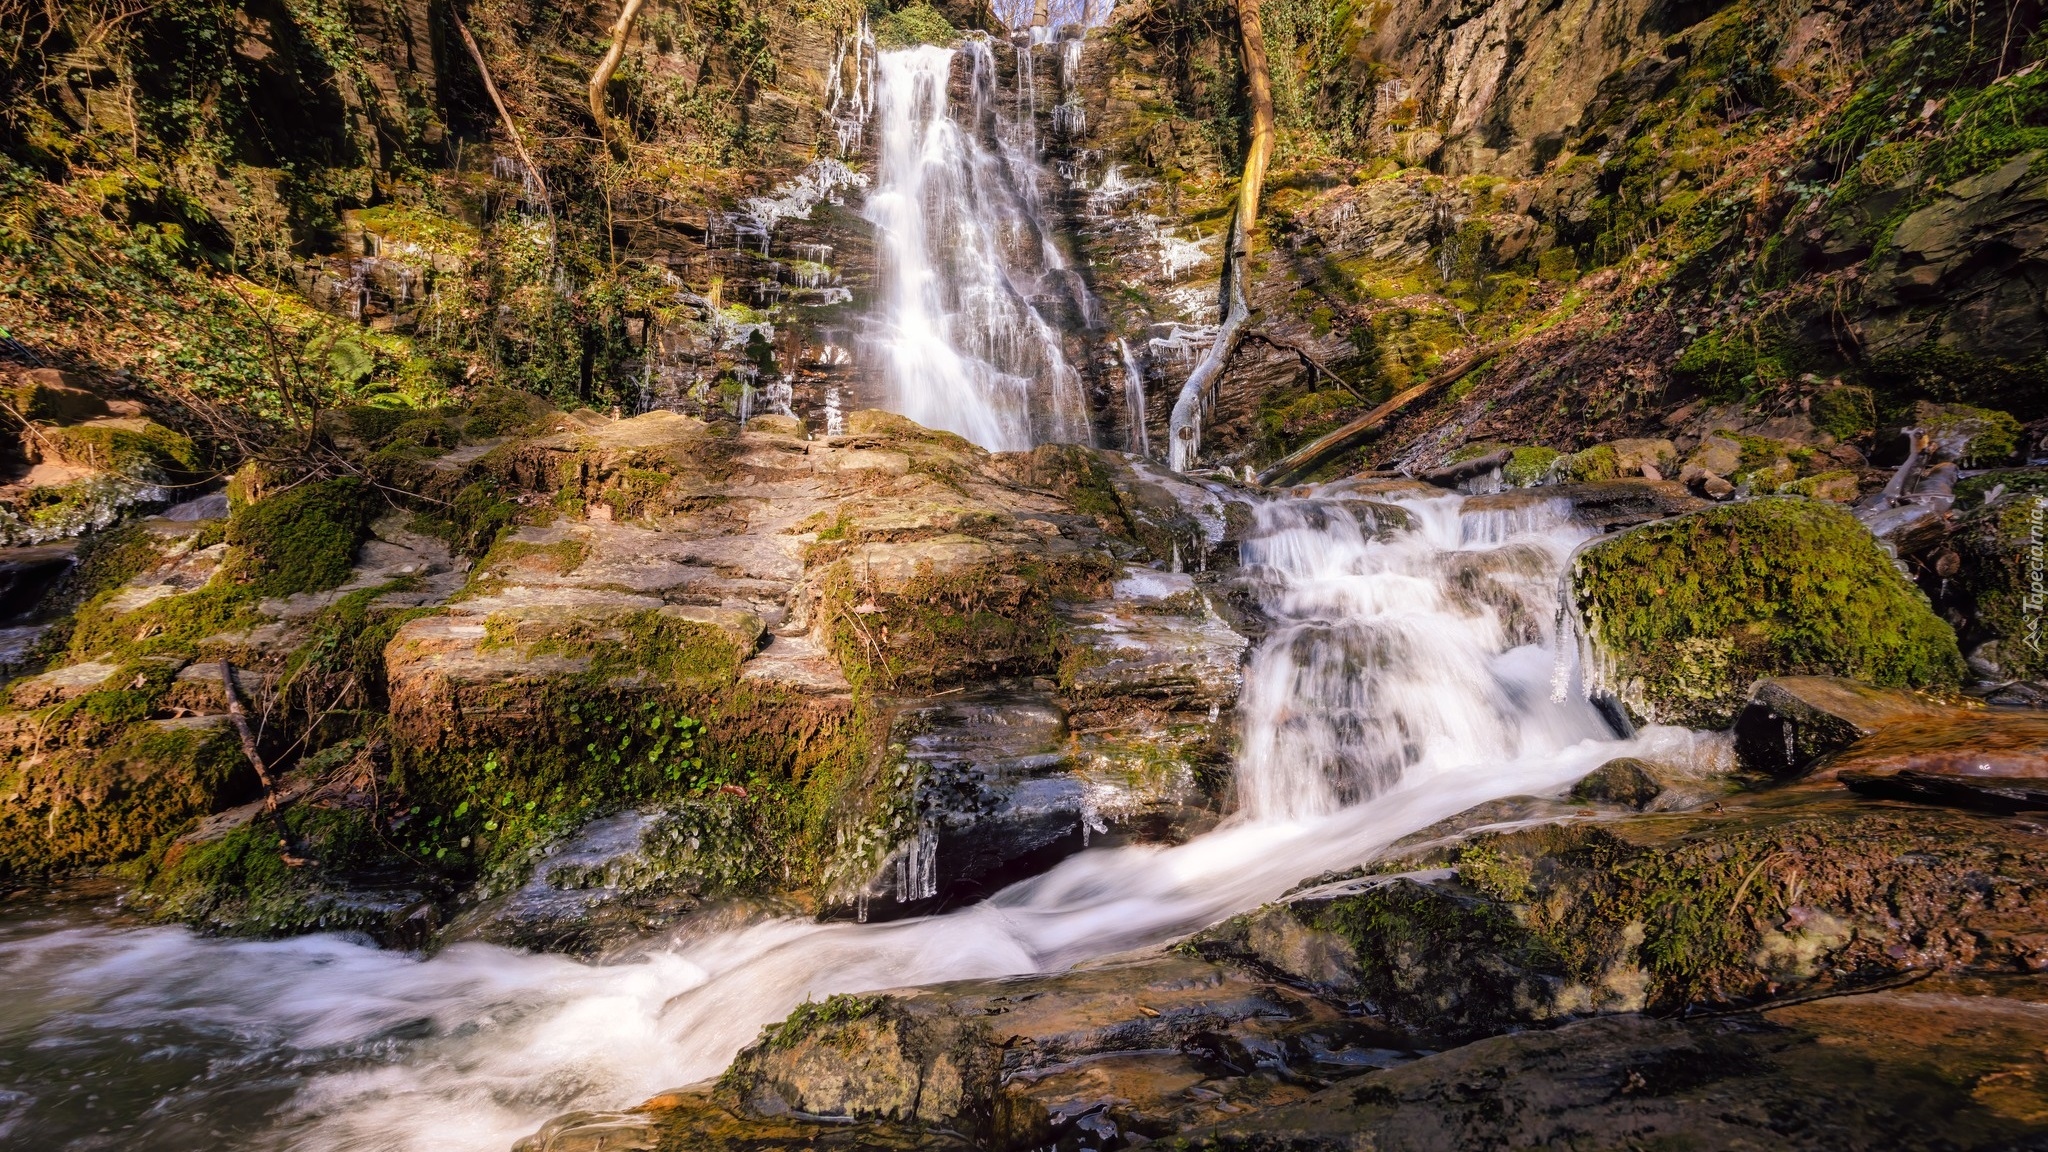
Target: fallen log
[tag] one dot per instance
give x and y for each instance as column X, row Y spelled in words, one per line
column 1306, row 459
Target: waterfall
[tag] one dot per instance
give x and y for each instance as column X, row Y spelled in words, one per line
column 1134, row 400
column 1405, row 679
column 1408, row 654
column 968, row 259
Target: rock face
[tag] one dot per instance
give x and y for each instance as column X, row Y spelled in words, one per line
column 877, row 673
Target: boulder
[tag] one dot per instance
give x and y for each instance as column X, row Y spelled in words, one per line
column 1626, row 781
column 1632, row 457
column 1755, row 898
column 46, row 395
column 1793, row 722
column 1687, row 613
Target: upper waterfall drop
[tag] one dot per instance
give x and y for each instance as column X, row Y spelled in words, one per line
column 966, row 256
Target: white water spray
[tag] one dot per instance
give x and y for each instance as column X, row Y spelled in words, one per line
column 968, row 260
column 1134, row 400
column 1407, row 672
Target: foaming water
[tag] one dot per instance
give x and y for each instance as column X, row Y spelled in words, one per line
column 969, row 259
column 1402, row 671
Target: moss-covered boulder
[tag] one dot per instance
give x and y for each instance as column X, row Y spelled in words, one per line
column 90, row 783
column 1687, row 613
column 1515, row 928
column 1996, row 583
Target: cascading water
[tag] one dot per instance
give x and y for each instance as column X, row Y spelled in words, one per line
column 968, row 260
column 1134, row 399
column 1406, row 679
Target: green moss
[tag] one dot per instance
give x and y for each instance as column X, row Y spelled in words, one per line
column 1971, row 491
column 756, row 780
column 1529, row 466
column 272, row 876
column 374, row 424
column 105, row 794
column 1728, row 364
column 810, row 1016
column 1845, row 413
column 1988, row 436
column 151, row 453
column 503, row 412
column 1688, row 612
column 1593, row 464
column 170, row 626
column 946, row 626
column 301, row 539
column 914, row 24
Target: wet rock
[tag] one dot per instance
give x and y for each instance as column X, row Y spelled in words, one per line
column 994, row 801
column 600, row 886
column 1626, row 780
column 1793, row 722
column 1742, row 901
column 1131, row 1048
column 1995, row 793
column 1606, row 505
column 1942, row 1064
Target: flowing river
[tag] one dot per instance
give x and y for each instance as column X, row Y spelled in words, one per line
column 1386, row 699
column 1389, row 694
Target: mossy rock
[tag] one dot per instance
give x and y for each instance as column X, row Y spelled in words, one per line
column 1995, row 584
column 1970, row 493
column 1624, row 780
column 1592, row 465
column 1984, row 436
column 138, row 449
column 111, row 792
column 1689, row 612
column 1528, row 467
column 300, row 539
column 1511, row 929
column 914, row 24
column 276, row 876
column 48, row 396
column 1844, row 412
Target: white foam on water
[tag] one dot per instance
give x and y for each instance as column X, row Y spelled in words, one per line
column 1381, row 702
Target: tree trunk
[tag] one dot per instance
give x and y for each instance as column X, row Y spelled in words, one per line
column 1189, row 409
column 1258, row 82
column 610, row 64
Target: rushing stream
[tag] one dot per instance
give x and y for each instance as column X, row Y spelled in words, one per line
column 1406, row 677
column 1387, row 698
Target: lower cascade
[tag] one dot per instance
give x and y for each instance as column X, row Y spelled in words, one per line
column 1405, row 679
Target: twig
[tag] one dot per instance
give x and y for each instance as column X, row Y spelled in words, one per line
column 240, row 715
column 511, row 128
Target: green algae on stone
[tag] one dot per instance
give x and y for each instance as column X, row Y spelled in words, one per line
column 1688, row 612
